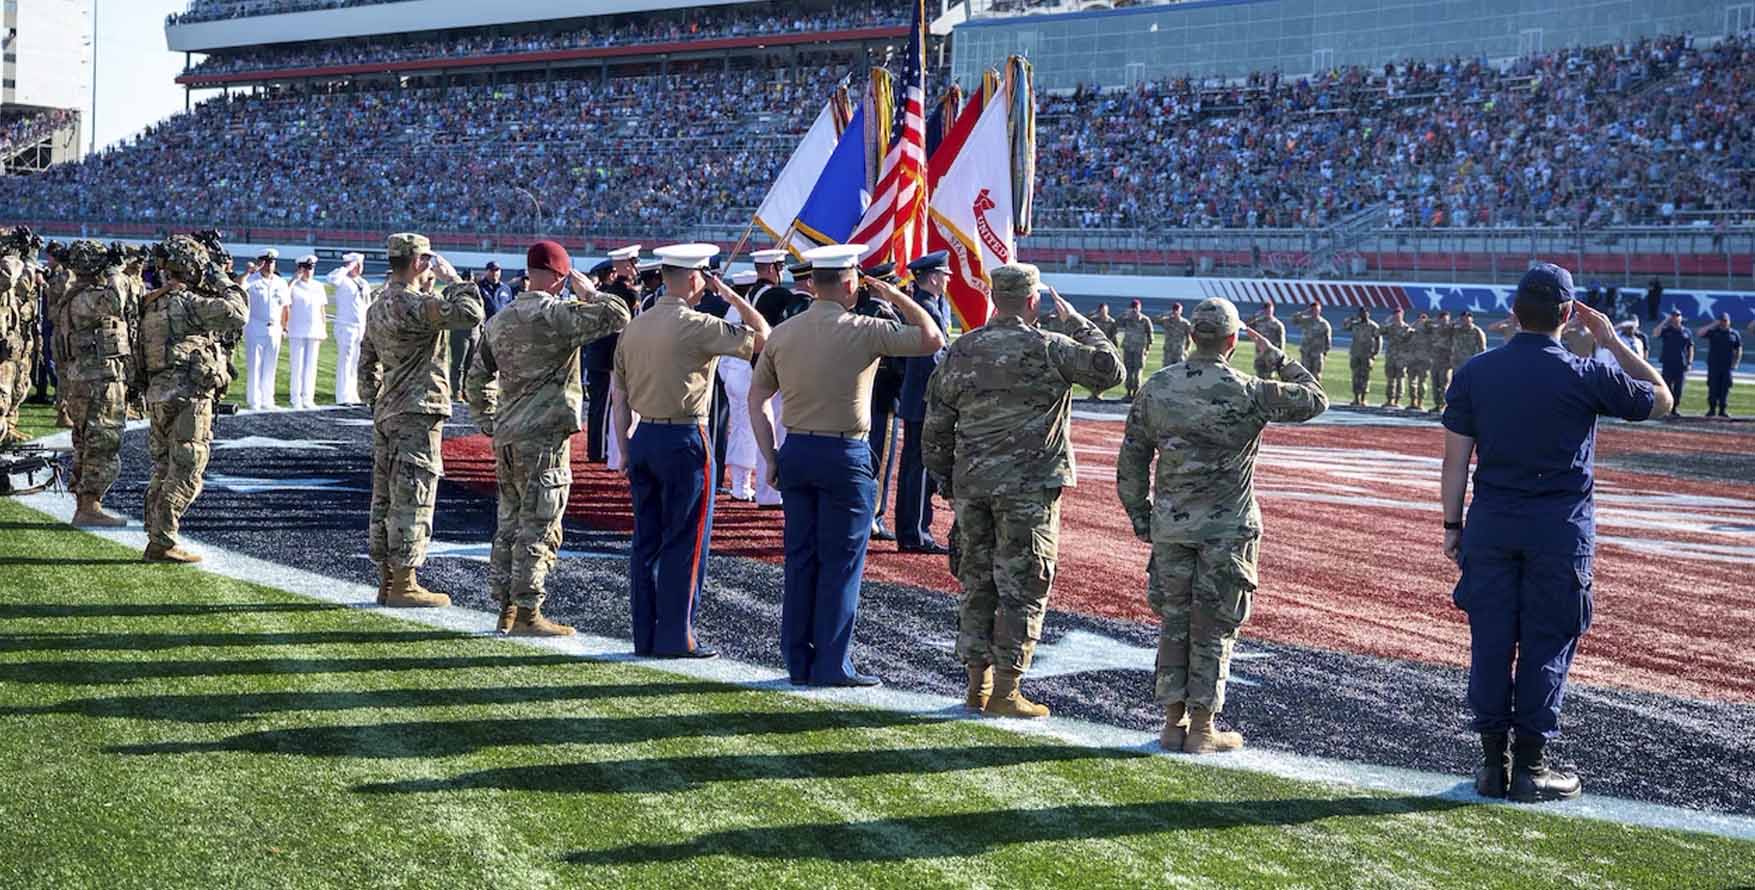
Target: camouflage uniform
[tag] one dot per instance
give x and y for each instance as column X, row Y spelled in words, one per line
column 18, row 324
column 58, row 286
column 1398, row 344
column 1466, row 341
column 178, row 353
column 1318, row 337
column 1419, row 360
column 1275, row 331
column 1175, row 329
column 96, row 335
column 403, row 375
column 1438, row 334
column 998, row 412
column 1362, row 353
column 1135, row 330
column 1203, row 425
column 1111, row 330
column 524, row 390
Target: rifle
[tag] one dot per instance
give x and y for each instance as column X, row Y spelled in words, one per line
column 27, row 469
column 214, row 283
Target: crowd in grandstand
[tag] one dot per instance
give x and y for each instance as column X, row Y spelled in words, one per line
column 1647, row 134
column 24, row 127
column 691, row 23
column 212, row 10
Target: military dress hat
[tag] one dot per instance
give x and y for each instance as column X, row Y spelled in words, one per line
column 937, row 261
column 648, row 266
column 492, row 266
column 1215, row 317
column 548, row 256
column 1548, row 282
column 747, row 276
column 762, row 257
column 408, row 244
column 800, row 268
column 883, row 272
column 309, row 259
column 1016, row 280
column 630, row 252
column 686, row 256
column 269, row 254
column 603, row 267
column 348, row 259
column 835, row 256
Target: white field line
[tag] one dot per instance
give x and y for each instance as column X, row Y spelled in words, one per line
column 241, row 567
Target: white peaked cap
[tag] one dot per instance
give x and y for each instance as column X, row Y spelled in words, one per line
column 768, row 256
column 348, row 258
column 631, row 252
column 686, row 256
column 747, row 276
column 835, row 256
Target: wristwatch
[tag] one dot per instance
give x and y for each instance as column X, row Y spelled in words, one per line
column 1452, row 526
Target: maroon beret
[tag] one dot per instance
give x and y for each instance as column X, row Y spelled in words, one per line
column 550, row 256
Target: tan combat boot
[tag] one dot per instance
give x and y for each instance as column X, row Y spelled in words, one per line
column 980, row 686
column 90, row 513
column 1175, row 731
column 383, row 583
column 62, row 418
column 530, row 623
column 155, row 553
column 1206, row 738
column 508, row 614
column 406, row 593
column 1007, row 701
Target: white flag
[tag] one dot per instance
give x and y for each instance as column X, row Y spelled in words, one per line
column 787, row 195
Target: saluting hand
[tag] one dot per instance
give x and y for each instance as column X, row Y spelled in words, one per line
column 884, row 290
column 582, row 286
column 1596, row 322
column 443, row 269
column 1062, row 309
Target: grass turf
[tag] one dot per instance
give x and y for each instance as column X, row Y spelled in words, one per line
column 162, row 727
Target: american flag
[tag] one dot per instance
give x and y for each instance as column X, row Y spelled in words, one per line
column 894, row 225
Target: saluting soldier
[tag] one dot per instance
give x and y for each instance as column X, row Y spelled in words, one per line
column 524, row 392
column 1398, row 344
column 1202, row 423
column 1265, row 324
column 1438, row 339
column 1467, row 340
column 1367, row 336
column 665, row 365
column 404, row 377
column 599, row 358
column 178, row 351
column 1107, row 324
column 1175, row 328
column 1315, row 340
column 1419, row 361
column 97, row 395
column 914, row 490
column 998, row 433
column 1135, row 331
column 823, row 362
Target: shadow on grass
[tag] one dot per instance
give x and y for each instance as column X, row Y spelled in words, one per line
column 11, row 526
column 96, row 673
column 144, row 642
column 668, row 774
column 152, row 610
column 71, row 561
column 973, row 834
column 219, row 708
column 447, row 738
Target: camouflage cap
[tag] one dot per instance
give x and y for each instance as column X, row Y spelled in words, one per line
column 185, row 258
column 408, row 244
column 88, row 257
column 1215, row 317
column 1016, row 280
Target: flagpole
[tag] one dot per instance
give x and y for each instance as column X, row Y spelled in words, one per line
column 741, row 241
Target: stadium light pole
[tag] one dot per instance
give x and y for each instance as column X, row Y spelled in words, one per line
column 540, row 229
column 94, row 73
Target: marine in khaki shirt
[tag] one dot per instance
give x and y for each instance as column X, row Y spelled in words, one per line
column 664, row 363
column 822, row 363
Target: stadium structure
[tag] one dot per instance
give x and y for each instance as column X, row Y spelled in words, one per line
column 1295, row 139
column 47, row 81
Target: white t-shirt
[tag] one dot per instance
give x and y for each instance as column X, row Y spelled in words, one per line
column 308, row 302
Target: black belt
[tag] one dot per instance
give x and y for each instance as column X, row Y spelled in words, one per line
column 825, row 434
column 675, row 421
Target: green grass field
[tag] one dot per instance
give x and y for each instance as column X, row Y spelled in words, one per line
column 161, row 727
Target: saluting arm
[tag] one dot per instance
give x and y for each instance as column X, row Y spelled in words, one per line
column 594, row 316
column 1095, row 361
column 746, row 312
column 1634, row 364
column 459, row 308
column 913, row 314
column 1297, row 396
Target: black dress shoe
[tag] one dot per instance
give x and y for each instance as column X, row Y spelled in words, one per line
column 880, row 533
column 697, row 652
column 932, row 547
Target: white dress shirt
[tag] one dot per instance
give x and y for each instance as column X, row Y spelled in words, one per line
column 268, row 296
column 352, row 297
column 308, row 302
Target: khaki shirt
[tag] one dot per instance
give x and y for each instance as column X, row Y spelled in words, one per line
column 668, row 354
column 822, row 362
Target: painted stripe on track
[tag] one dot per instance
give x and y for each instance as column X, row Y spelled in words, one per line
column 240, row 567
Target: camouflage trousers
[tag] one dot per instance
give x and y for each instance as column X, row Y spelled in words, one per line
column 534, row 477
column 179, row 443
column 1203, row 593
column 1417, row 373
column 14, row 385
column 406, row 466
column 1361, row 367
column 1314, row 361
column 1395, row 375
column 1440, row 381
column 1134, row 360
column 98, row 410
column 1008, row 546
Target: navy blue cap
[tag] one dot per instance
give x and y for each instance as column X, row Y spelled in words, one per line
column 603, row 267
column 492, row 266
column 1547, row 281
column 937, row 261
column 882, row 271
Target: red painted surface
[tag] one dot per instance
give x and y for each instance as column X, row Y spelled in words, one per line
column 1351, row 560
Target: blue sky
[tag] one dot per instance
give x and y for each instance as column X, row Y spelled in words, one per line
column 135, row 72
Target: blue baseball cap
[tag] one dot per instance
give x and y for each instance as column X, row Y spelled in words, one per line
column 1546, row 281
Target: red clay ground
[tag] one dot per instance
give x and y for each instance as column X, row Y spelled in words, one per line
column 1351, row 559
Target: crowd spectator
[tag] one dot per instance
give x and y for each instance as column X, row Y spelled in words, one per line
column 20, row 127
